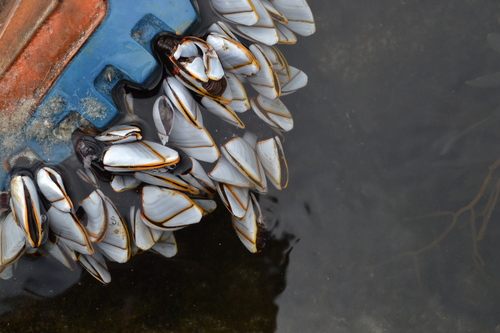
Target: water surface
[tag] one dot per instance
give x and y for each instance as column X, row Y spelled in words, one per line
column 386, row 130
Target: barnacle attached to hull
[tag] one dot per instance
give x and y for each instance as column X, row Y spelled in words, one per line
column 156, row 149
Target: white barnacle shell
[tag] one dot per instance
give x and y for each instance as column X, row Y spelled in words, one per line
column 167, row 209
column 272, row 158
column 7, row 272
column 138, row 155
column 52, row 187
column 275, row 13
column 242, row 156
column 225, row 172
column 166, row 245
column 222, row 29
column 194, row 141
column 233, row 56
column 163, row 118
column 69, row 230
column 198, row 178
column 223, row 111
column 143, row 236
column 247, row 227
column 198, row 59
column 26, row 207
column 88, row 176
column 181, row 98
column 297, row 79
column 298, row 14
column 96, row 266
column 12, row 240
column 264, row 30
column 213, row 65
column 96, row 225
column 121, row 183
column 237, row 11
column 286, row 36
column 266, row 81
column 273, row 112
column 235, row 199
column 251, row 138
column 278, row 61
column 61, row 253
column 266, row 21
column 116, row 244
column 120, row 134
column 240, row 102
column 165, row 179
column 207, row 205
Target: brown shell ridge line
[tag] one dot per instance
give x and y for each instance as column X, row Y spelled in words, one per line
column 158, row 154
column 247, row 174
column 179, row 213
column 173, row 182
column 243, row 234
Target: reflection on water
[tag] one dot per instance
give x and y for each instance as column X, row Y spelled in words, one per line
column 390, row 89
column 213, row 283
column 41, row 278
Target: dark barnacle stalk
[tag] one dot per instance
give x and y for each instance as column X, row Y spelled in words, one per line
column 167, row 49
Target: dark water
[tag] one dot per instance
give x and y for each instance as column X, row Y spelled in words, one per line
column 386, row 130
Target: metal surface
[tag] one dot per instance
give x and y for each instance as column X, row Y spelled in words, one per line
column 19, row 22
column 45, row 56
column 65, row 73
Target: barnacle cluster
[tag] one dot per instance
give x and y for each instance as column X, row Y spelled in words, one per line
column 205, row 73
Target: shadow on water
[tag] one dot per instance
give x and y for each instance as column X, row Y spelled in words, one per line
column 212, row 284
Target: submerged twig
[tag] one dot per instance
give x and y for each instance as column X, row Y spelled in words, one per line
column 490, row 206
column 486, row 214
column 476, row 256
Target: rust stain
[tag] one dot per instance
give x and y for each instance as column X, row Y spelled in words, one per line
column 56, row 41
column 20, row 20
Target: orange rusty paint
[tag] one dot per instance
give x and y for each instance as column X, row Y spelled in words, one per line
column 20, row 19
column 41, row 62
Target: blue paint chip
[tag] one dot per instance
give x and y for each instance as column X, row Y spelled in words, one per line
column 118, row 49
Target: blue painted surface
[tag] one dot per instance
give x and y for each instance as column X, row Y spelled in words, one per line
column 121, row 43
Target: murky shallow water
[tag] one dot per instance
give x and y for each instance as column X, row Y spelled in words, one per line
column 377, row 141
